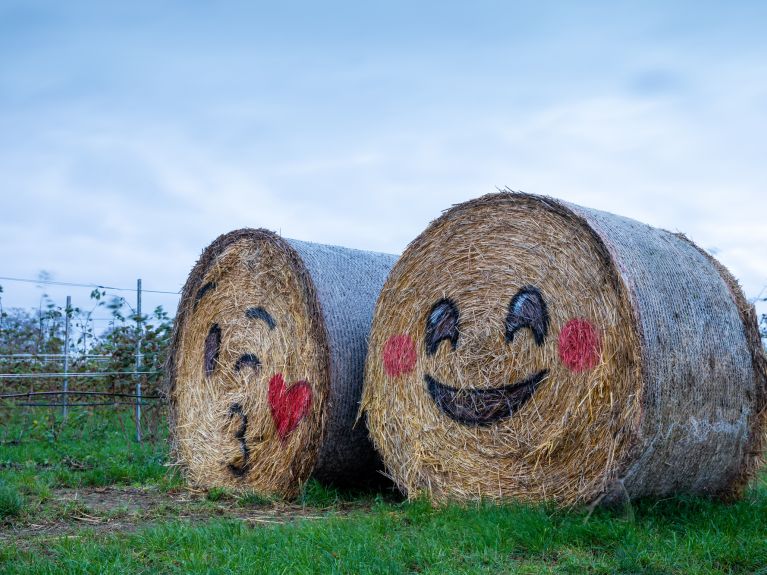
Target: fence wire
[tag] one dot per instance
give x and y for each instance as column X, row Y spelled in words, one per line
column 74, row 374
column 75, row 392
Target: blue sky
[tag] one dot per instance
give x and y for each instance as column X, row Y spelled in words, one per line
column 132, row 134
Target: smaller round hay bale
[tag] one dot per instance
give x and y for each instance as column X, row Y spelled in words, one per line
column 266, row 363
column 531, row 349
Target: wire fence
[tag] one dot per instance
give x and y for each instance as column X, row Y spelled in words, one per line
column 70, row 367
column 41, row 281
column 71, row 392
column 64, row 374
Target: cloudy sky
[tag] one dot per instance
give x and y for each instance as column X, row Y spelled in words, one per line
column 132, row 134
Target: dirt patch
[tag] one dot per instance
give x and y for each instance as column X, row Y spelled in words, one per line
column 128, row 500
column 70, row 513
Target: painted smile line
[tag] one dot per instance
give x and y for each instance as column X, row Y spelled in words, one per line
column 483, row 406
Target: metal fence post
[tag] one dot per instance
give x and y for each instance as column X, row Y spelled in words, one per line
column 66, row 355
column 138, row 360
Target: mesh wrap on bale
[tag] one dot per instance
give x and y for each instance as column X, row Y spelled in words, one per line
column 265, row 368
column 556, row 352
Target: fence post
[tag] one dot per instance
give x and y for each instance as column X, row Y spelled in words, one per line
column 66, row 356
column 138, row 360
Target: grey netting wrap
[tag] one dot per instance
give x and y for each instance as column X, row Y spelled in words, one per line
column 347, row 283
column 703, row 398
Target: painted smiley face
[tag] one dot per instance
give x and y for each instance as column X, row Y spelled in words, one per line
column 579, row 346
column 253, row 383
column 579, row 349
column 487, row 354
column 472, row 406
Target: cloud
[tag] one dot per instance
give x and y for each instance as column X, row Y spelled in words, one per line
column 127, row 151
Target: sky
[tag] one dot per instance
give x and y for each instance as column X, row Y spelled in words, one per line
column 132, row 134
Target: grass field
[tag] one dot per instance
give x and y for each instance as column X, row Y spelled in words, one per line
column 84, row 497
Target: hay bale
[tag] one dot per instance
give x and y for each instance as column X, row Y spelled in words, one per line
column 266, row 362
column 526, row 348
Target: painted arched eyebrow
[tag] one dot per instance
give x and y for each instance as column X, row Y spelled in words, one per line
column 202, row 291
column 262, row 314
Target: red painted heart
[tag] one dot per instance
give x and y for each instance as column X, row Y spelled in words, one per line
column 288, row 405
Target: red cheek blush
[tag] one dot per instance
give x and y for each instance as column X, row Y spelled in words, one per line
column 399, row 355
column 579, row 345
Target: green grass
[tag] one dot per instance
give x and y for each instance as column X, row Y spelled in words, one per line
column 11, row 502
column 253, row 499
column 679, row 536
column 343, row 531
column 41, row 451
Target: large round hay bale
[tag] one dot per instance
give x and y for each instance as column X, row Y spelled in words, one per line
column 266, row 363
column 527, row 348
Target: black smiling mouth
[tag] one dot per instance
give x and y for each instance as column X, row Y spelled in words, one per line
column 478, row 407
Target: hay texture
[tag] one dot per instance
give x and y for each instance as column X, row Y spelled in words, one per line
column 265, row 370
column 526, row 348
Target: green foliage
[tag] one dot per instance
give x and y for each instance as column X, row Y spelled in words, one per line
column 34, row 332
column 254, row 499
column 316, row 494
column 40, row 333
column 216, row 493
column 11, row 501
column 119, row 343
column 88, row 449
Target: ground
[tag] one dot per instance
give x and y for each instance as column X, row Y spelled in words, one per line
column 82, row 496
column 100, row 510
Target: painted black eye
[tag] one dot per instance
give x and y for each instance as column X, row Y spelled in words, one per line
column 247, row 360
column 442, row 323
column 527, row 309
column 212, row 347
